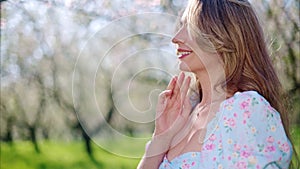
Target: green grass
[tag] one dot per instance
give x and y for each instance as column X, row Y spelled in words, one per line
column 295, row 132
column 71, row 155
column 59, row 155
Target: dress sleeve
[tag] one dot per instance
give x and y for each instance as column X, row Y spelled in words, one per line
column 253, row 135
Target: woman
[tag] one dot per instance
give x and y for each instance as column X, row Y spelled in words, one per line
column 234, row 117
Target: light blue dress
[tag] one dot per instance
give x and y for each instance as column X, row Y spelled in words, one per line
column 246, row 133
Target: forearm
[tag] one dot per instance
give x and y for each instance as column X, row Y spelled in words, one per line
column 150, row 162
column 154, row 154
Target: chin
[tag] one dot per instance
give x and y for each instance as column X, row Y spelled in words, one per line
column 184, row 67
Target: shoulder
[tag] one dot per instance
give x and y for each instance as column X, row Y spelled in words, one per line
column 247, row 101
column 251, row 96
column 249, row 116
column 250, row 107
column 252, row 129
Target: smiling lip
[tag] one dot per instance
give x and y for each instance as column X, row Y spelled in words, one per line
column 182, row 53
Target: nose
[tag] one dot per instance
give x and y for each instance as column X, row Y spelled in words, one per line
column 175, row 40
column 179, row 36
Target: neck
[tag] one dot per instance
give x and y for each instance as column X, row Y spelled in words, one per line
column 210, row 93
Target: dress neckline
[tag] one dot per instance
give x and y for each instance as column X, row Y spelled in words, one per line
column 209, row 134
column 194, row 153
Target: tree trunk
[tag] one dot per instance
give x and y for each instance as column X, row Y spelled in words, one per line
column 33, row 139
column 87, row 141
column 8, row 136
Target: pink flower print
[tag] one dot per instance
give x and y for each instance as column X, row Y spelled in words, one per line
column 214, row 159
column 244, row 104
column 241, row 164
column 186, row 166
column 271, row 148
column 231, row 122
column 247, row 114
column 245, row 154
column 285, row 147
column 212, row 137
column 193, row 163
column 230, row 101
column 229, row 158
column 234, row 115
column 220, row 147
column 237, row 147
column 210, row 146
column 270, row 139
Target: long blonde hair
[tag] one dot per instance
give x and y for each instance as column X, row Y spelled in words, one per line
column 236, row 35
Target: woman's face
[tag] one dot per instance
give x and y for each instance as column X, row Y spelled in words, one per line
column 192, row 58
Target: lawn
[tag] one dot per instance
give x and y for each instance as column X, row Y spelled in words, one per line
column 71, row 155
column 296, row 138
column 60, row 155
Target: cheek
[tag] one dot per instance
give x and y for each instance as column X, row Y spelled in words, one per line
column 195, row 63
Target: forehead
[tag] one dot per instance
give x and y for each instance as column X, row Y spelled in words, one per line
column 183, row 18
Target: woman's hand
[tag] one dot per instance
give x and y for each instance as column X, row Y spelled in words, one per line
column 172, row 113
column 173, row 107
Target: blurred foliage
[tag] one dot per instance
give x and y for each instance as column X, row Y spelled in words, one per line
column 63, row 62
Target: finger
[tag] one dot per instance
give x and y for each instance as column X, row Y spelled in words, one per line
column 162, row 102
column 179, row 82
column 182, row 120
column 164, row 95
column 172, row 83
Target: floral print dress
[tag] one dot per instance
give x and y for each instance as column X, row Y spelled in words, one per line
column 246, row 133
